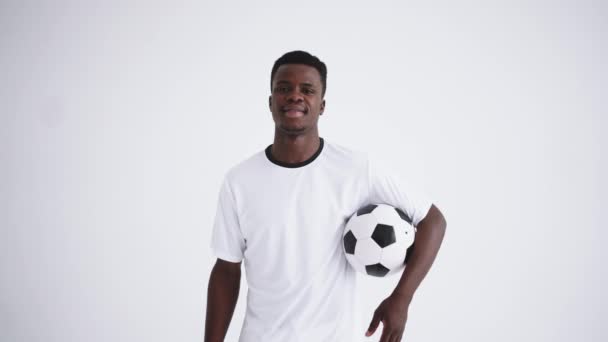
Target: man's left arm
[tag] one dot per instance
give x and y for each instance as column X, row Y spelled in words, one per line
column 392, row 312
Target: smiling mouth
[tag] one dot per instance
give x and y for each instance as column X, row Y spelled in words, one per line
column 294, row 112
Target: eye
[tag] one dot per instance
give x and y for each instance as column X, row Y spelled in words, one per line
column 281, row 89
column 308, row 91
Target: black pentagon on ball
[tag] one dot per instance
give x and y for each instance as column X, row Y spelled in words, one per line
column 349, row 242
column 403, row 215
column 366, row 210
column 376, row 270
column 384, row 235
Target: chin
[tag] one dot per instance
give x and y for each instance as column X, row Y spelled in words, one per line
column 291, row 130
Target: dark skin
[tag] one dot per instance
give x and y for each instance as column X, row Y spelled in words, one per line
column 392, row 312
column 222, row 295
column 296, row 104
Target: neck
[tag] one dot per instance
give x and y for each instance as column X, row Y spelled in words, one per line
column 296, row 148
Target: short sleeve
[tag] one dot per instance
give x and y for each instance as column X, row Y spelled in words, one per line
column 227, row 241
column 388, row 187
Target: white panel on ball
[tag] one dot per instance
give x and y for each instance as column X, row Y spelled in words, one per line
column 387, row 215
column 363, row 226
column 393, row 256
column 368, row 252
column 408, row 233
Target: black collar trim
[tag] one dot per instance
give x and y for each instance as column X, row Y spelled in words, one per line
column 294, row 165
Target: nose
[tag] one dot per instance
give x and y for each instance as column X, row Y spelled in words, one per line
column 295, row 96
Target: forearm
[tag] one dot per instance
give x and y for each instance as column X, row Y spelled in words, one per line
column 222, row 296
column 429, row 236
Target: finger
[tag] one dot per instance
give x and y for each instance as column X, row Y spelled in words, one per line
column 373, row 325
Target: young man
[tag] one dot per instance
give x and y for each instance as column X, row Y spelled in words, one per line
column 283, row 212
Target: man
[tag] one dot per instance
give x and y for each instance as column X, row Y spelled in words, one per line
column 283, row 212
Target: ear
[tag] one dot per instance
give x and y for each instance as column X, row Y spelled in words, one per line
column 322, row 107
column 270, row 103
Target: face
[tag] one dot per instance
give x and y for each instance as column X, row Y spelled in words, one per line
column 296, row 101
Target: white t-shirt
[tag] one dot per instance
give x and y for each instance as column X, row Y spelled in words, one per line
column 285, row 221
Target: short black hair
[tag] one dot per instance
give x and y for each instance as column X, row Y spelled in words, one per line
column 301, row 57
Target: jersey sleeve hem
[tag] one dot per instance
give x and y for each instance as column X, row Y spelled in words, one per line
column 424, row 213
column 225, row 255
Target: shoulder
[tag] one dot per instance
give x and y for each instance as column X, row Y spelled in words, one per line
column 250, row 166
column 344, row 156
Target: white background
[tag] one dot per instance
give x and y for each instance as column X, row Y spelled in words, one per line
column 119, row 119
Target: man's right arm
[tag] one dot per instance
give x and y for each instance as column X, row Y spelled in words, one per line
column 222, row 295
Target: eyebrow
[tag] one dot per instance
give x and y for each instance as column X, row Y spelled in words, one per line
column 305, row 84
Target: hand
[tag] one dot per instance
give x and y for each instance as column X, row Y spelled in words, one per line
column 392, row 312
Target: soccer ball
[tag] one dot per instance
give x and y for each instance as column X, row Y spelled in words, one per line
column 376, row 239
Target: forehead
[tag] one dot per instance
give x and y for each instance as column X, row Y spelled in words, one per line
column 297, row 73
